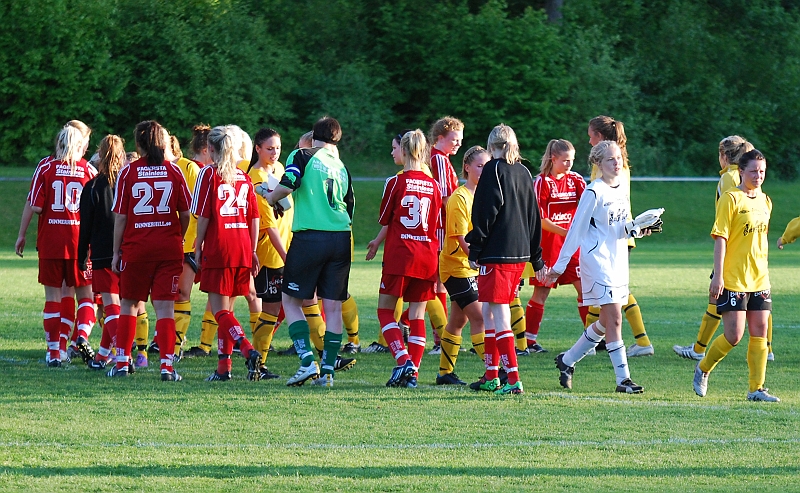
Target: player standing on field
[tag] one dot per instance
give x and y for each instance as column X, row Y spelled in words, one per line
column 151, row 202
column 319, row 257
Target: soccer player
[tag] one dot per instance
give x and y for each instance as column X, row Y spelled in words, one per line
column 409, row 211
column 506, row 233
column 319, row 257
column 730, row 151
column 601, row 231
column 97, row 237
column 606, row 128
column 741, row 276
column 558, row 190
column 225, row 248
column 454, row 270
column 151, row 203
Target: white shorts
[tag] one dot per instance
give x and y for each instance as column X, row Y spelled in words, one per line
column 596, row 294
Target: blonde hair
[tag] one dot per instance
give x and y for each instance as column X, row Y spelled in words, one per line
column 223, row 141
column 556, row 147
column 305, row 140
column 502, row 143
column 733, row 147
column 415, row 148
column 111, row 157
column 70, row 146
column 611, row 129
column 470, row 156
column 175, row 146
column 598, row 153
column 84, row 128
column 443, row 126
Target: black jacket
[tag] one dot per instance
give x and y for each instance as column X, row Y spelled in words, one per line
column 506, row 227
column 97, row 224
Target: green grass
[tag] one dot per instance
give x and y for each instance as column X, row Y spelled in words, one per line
column 73, row 430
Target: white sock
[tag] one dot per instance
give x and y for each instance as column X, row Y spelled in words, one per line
column 585, row 343
column 619, row 358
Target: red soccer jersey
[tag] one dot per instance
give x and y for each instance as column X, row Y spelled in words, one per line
column 151, row 197
column 409, row 206
column 56, row 188
column 229, row 209
column 558, row 201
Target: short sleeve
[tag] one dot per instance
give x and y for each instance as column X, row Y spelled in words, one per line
column 726, row 208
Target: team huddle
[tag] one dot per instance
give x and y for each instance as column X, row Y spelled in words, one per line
column 123, row 228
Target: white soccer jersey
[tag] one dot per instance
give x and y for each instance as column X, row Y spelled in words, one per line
column 599, row 231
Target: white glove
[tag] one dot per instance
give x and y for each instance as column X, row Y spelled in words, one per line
column 261, row 189
column 647, row 219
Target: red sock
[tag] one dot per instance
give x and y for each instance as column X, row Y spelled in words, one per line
column 165, row 328
column 281, row 316
column 443, row 298
column 416, row 341
column 490, row 356
column 224, row 365
column 67, row 321
column 126, row 331
column 583, row 311
column 393, row 335
column 52, row 328
column 85, row 318
column 107, row 340
column 403, row 318
column 508, row 354
column 321, row 311
column 533, row 320
column 228, row 323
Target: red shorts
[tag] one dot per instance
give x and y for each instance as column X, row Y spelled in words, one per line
column 158, row 279
column 55, row 272
column 498, row 283
column 571, row 275
column 105, row 281
column 411, row 289
column 231, row 281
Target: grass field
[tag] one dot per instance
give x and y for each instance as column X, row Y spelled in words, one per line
column 73, row 430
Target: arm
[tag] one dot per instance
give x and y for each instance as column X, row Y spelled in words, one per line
column 85, row 231
column 120, row 221
column 791, row 233
column 717, row 282
column 202, row 228
column 552, row 227
column 27, row 215
column 275, row 239
column 578, row 228
column 280, row 192
column 254, row 244
column 183, row 217
column 372, row 246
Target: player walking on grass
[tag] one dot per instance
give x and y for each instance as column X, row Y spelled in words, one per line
column 319, row 256
column 151, row 203
column 225, row 249
column 454, row 270
column 741, row 276
column 601, row 231
column 506, row 233
column 558, row 190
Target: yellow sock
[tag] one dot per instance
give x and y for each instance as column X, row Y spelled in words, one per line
column 208, row 331
column 769, row 333
column 757, row 362
column 254, row 322
column 350, row 319
column 436, row 316
column 718, row 350
column 142, row 332
column 262, row 334
column 183, row 316
column 518, row 324
column 592, row 315
column 451, row 345
column 634, row 316
column 708, row 326
column 316, row 326
column 477, row 344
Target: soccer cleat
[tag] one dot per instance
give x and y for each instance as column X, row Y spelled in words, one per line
column 290, row 351
column 177, row 356
column 253, row 363
column 237, row 347
column 343, row 364
column 72, row 353
column 219, row 377
column 437, row 349
column 687, row 352
column 536, row 348
column 509, row 389
column 635, row 350
column 141, row 361
column 565, row 372
column 54, row 363
column 118, row 372
column 400, row 374
column 303, row 374
column 153, row 348
column 700, row 381
column 601, row 346
column 172, row 376
column 410, row 383
column 762, row 395
column 376, row 347
column 503, row 376
column 486, row 385
column 96, row 364
column 628, row 387
column 325, row 380
column 771, row 357
column 266, row 374
column 351, row 348
column 196, row 352
column 449, row 379
column 85, row 351
column 523, row 352
column 131, row 368
column 591, row 352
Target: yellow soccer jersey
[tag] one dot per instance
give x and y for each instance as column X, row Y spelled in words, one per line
column 453, row 260
column 792, row 231
column 267, row 255
column 243, row 165
column 744, row 222
column 728, row 178
column 190, row 170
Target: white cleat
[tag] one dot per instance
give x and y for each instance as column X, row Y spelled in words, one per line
column 325, row 380
column 700, row 382
column 762, row 395
column 635, row 350
column 687, row 352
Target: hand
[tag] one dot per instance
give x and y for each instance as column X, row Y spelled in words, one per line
column 474, row 265
column 551, row 277
column 372, row 248
column 198, row 254
column 780, row 245
column 541, row 275
column 277, row 209
column 19, row 246
column 717, row 285
column 115, row 263
column 256, row 265
column 650, row 219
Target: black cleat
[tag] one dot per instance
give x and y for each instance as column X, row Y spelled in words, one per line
column 97, row 364
column 565, row 375
column 171, row 376
column 449, row 379
column 196, row 352
column 153, row 348
column 266, row 374
column 290, row 351
column 216, row 377
column 84, row 349
column 343, row 364
column 253, row 363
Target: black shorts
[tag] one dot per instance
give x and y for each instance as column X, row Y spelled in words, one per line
column 732, row 301
column 268, row 284
column 318, row 261
column 464, row 291
column 189, row 259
